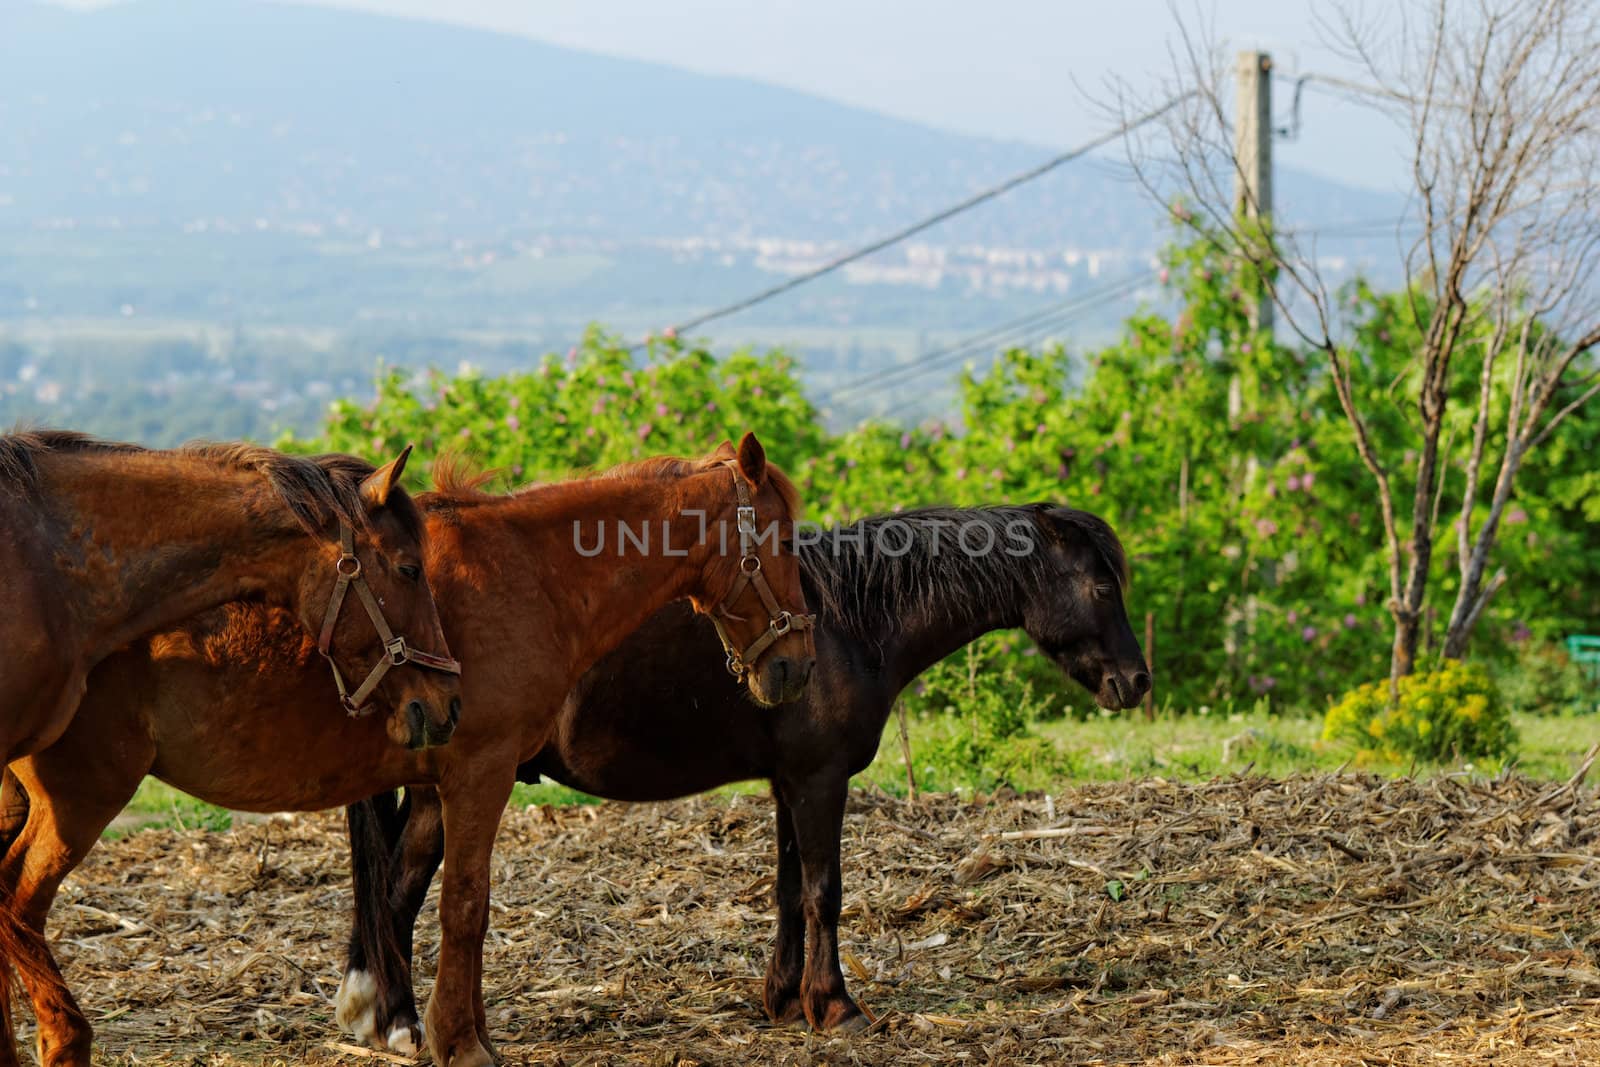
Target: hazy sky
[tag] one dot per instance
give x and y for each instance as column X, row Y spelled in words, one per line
column 1003, row 68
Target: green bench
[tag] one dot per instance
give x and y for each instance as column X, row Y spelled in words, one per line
column 1584, row 650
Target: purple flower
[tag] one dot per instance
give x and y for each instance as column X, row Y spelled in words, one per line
column 513, row 422
column 1516, row 516
column 589, row 432
column 758, row 391
column 1349, row 621
column 466, row 431
column 961, row 474
column 627, row 378
column 661, row 411
column 1361, row 600
column 711, row 405
column 572, row 357
column 1307, row 479
column 1266, row 527
column 1039, row 428
column 905, row 440
column 850, row 464
column 1520, row 632
column 600, row 380
column 1293, row 616
column 1309, row 634
column 644, row 431
column 1011, row 446
column 1292, row 484
column 1245, row 348
column 514, row 403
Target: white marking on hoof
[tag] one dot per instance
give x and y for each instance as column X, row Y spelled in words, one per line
column 355, row 1007
column 403, row 1040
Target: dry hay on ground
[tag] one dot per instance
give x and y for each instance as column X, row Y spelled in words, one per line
column 1331, row 919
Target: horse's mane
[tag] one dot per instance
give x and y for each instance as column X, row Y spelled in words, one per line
column 20, row 451
column 867, row 576
column 457, row 483
column 316, row 490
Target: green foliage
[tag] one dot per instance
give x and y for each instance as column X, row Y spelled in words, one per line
column 596, row 408
column 1542, row 680
column 990, row 711
column 1451, row 711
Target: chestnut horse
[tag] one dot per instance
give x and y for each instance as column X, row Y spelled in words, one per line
column 654, row 720
column 101, row 542
column 530, row 602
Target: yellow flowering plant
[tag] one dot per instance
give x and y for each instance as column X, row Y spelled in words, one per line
column 1451, row 711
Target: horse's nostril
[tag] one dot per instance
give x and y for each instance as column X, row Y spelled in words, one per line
column 416, row 719
column 455, row 710
column 1141, row 683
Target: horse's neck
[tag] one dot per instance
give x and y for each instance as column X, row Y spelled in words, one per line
column 963, row 612
column 150, row 546
column 602, row 585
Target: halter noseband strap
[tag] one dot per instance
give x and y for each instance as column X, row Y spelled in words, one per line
column 395, row 649
column 779, row 621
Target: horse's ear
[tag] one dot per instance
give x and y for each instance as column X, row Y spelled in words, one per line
column 377, row 486
column 723, row 451
column 752, row 458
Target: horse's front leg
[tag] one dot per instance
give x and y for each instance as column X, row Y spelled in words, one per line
column 473, row 799
column 781, row 994
column 817, row 806
column 376, row 1000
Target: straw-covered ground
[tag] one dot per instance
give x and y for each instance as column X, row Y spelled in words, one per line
column 1330, row 919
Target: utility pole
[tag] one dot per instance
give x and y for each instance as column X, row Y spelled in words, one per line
column 1252, row 202
column 1252, row 148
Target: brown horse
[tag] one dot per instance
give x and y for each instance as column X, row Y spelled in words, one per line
column 101, row 542
column 533, row 588
column 653, row 720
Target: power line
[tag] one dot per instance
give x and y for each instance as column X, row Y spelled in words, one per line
column 1010, row 332
column 968, row 204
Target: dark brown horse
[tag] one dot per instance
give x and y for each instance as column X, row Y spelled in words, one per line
column 531, row 591
column 654, row 721
column 102, row 542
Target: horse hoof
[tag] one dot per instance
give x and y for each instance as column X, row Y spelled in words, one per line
column 355, row 1007
column 405, row 1039
column 855, row 1024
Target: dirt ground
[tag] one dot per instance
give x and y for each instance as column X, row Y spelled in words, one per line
column 1335, row 919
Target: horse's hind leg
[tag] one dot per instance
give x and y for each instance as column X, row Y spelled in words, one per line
column 72, row 800
column 13, row 809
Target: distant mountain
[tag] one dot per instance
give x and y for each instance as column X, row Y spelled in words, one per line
column 170, row 112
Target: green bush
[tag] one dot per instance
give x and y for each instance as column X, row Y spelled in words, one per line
column 990, row 710
column 1543, row 680
column 1452, row 711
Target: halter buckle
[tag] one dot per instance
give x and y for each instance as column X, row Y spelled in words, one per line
column 352, row 571
column 746, row 517
column 782, row 624
column 735, row 664
column 397, row 650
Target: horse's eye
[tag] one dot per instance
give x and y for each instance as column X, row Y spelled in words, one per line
column 1103, row 592
column 411, row 571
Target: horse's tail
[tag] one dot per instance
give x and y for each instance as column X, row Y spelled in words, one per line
column 374, row 825
column 25, row 951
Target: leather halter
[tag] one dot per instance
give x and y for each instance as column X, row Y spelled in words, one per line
column 779, row 621
column 395, row 649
